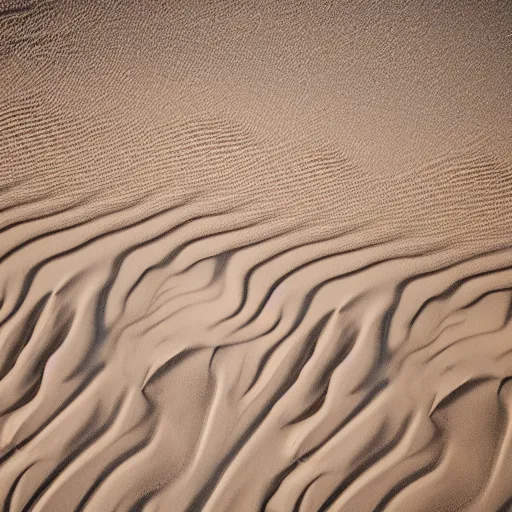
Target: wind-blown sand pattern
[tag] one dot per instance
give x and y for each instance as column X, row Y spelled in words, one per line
column 255, row 256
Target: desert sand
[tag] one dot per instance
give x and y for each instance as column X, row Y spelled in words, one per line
column 255, row 256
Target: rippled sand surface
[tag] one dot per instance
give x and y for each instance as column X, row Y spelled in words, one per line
column 255, row 256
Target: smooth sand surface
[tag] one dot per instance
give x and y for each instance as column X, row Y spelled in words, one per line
column 255, row 256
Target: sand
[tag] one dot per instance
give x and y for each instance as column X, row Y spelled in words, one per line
column 255, row 256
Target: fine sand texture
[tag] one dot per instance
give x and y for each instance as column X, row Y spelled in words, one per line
column 255, row 256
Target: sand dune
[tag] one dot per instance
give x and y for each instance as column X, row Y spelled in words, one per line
column 255, row 256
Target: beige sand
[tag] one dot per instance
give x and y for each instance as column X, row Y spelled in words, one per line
column 255, row 256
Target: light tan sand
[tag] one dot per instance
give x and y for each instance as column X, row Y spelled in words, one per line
column 255, row 256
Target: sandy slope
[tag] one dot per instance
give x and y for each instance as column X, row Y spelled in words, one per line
column 255, row 256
